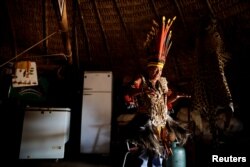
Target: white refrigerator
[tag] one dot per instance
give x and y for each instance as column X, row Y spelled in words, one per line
column 96, row 112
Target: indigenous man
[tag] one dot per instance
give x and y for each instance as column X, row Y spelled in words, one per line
column 152, row 129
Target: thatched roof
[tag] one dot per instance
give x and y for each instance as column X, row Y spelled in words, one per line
column 109, row 34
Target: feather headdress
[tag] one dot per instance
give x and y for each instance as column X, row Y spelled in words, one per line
column 158, row 42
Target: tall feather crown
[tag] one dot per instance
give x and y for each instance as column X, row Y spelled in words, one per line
column 158, row 42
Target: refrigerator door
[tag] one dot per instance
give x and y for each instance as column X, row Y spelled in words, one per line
column 96, row 120
column 97, row 81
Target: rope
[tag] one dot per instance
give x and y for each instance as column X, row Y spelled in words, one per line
column 30, row 48
column 125, row 158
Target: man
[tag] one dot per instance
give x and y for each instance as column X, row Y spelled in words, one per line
column 152, row 130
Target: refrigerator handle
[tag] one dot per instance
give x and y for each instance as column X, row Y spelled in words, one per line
column 87, row 89
column 87, row 94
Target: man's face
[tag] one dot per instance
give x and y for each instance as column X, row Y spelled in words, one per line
column 154, row 72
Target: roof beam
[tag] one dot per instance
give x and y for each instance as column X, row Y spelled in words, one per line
column 63, row 23
column 154, row 8
column 84, row 29
column 102, row 30
column 210, row 8
column 180, row 12
column 45, row 29
column 131, row 43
